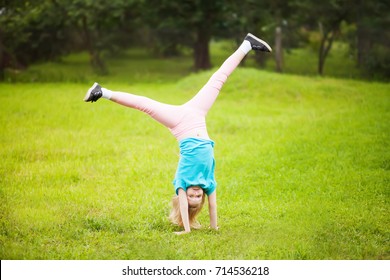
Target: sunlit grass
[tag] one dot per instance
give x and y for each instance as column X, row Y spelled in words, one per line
column 302, row 167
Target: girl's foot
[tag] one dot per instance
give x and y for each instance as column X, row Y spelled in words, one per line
column 94, row 93
column 257, row 44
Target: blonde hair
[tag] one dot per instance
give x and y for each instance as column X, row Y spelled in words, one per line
column 193, row 212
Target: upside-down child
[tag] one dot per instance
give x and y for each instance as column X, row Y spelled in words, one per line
column 194, row 177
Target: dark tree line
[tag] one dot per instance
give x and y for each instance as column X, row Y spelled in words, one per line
column 36, row 30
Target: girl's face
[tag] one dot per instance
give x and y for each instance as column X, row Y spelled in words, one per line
column 194, row 196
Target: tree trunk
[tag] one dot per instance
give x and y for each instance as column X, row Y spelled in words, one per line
column 278, row 50
column 94, row 54
column 260, row 59
column 363, row 43
column 2, row 61
column 201, row 49
column 97, row 63
column 325, row 46
column 321, row 59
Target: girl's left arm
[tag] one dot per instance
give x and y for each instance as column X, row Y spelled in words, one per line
column 183, row 202
column 213, row 210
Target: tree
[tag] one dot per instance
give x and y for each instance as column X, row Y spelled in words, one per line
column 328, row 16
column 190, row 22
column 30, row 31
column 167, row 27
column 281, row 12
column 43, row 30
column 270, row 19
column 372, row 37
column 245, row 16
column 98, row 24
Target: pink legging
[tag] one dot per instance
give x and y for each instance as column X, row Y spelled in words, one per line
column 189, row 119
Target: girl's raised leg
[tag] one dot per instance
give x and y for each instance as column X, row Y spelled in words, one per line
column 206, row 97
column 168, row 115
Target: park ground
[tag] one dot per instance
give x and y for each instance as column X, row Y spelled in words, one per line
column 302, row 163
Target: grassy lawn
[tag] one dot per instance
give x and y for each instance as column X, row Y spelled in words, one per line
column 302, row 166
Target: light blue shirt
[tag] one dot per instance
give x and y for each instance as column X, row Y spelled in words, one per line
column 196, row 165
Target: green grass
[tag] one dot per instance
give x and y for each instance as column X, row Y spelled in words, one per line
column 302, row 166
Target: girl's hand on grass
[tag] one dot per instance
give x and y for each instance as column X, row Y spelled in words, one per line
column 182, row 232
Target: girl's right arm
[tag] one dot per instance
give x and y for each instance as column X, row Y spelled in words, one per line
column 183, row 202
column 213, row 210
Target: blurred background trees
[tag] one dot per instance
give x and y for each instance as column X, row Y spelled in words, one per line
column 40, row 30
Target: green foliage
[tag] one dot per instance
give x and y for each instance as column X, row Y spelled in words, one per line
column 373, row 40
column 44, row 30
column 378, row 62
column 32, row 31
column 302, row 166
